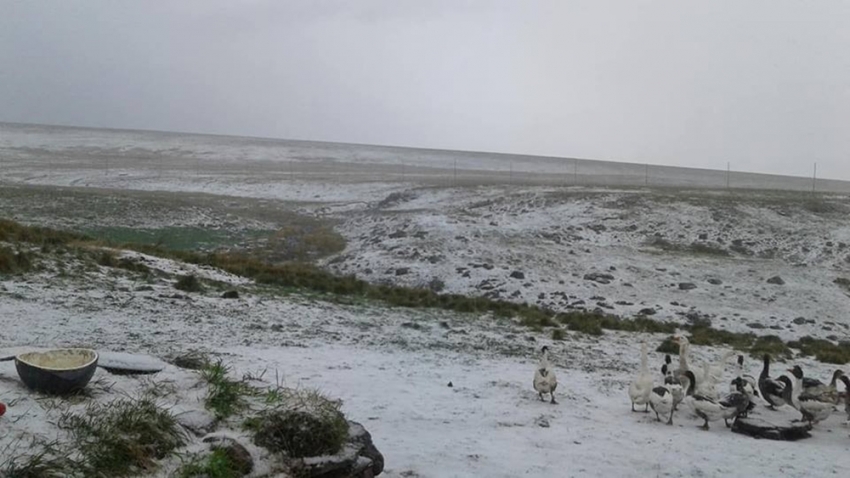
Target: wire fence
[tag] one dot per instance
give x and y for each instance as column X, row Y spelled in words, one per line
column 79, row 167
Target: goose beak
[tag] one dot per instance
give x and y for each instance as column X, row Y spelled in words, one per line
column 789, row 370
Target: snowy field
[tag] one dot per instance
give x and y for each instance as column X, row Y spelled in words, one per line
column 409, row 219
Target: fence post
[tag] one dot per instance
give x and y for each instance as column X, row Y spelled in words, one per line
column 575, row 172
column 814, row 177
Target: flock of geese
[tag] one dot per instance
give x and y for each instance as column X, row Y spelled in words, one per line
column 697, row 387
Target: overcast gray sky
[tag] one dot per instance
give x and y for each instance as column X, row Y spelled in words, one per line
column 764, row 84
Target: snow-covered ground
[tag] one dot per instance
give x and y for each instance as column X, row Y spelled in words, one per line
column 406, row 223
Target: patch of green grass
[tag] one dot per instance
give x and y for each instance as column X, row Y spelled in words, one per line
column 225, row 396
column 558, row 334
column 771, row 345
column 48, row 462
column 122, row 438
column 14, row 262
column 11, row 231
column 189, row 283
column 704, row 335
column 667, row 346
column 700, row 248
column 218, row 464
column 823, row 350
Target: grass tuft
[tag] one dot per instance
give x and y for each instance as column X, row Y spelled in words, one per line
column 47, row 463
column 14, row 262
column 189, row 283
column 225, row 396
column 303, row 423
column 123, row 437
column 218, row 464
column 558, row 334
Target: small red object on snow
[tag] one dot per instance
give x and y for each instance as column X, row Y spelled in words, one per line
column 2, row 409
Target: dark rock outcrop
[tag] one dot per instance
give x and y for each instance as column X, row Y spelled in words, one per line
column 359, row 458
column 772, row 430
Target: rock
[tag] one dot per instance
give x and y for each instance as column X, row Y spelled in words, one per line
column 599, row 277
column 755, row 325
column 714, row 281
column 397, row 234
column 199, row 422
column 703, row 237
column 450, row 385
column 687, row 285
column 799, row 321
column 517, row 275
column 359, row 458
column 230, row 294
column 239, row 457
column 772, row 429
column 402, row 271
column 122, row 363
column 647, row 311
column 776, row 280
column 190, row 361
column 435, row 259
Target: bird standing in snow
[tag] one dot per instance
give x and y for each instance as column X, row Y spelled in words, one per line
column 746, row 384
column 663, row 399
column 641, row 386
column 710, row 409
column 544, row 377
column 772, row 390
column 814, row 408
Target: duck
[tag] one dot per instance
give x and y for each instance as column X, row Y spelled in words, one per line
column 545, row 380
column 745, row 383
column 772, row 390
column 641, row 386
column 814, row 408
column 710, row 409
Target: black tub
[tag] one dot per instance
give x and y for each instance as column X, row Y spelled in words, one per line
column 57, row 371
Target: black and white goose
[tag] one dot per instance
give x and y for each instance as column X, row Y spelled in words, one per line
column 817, row 388
column 745, row 383
column 544, row 377
column 710, row 409
column 813, row 408
column 772, row 390
column 661, row 402
column 674, row 384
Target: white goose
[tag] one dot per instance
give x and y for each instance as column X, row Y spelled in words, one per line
column 709, row 376
column 641, row 386
column 544, row 377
